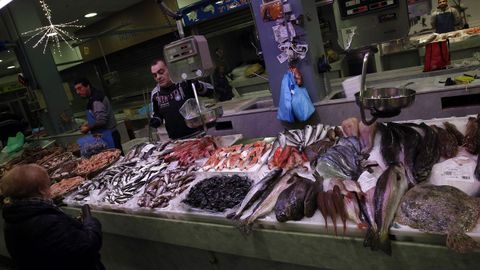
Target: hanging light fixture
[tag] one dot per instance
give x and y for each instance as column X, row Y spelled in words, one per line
column 52, row 33
column 4, row 3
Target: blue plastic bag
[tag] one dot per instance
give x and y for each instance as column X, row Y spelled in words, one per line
column 91, row 145
column 301, row 104
column 285, row 111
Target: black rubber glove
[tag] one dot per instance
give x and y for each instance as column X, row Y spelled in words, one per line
column 86, row 212
column 155, row 122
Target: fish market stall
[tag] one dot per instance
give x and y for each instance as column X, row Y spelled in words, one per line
column 321, row 197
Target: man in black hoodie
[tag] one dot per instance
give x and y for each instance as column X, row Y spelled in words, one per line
column 38, row 235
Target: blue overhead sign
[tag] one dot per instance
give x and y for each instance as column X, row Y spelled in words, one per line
column 206, row 10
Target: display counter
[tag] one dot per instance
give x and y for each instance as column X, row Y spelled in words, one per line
column 140, row 242
column 180, row 235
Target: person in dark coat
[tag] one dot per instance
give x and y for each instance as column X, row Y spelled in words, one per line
column 10, row 124
column 39, row 235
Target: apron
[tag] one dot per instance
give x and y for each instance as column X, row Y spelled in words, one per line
column 445, row 22
column 106, row 133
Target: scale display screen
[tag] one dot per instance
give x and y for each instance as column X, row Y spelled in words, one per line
column 350, row 8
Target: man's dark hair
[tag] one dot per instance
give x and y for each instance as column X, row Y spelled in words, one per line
column 84, row 81
column 156, row 60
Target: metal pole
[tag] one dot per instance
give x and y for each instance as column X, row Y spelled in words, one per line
column 199, row 108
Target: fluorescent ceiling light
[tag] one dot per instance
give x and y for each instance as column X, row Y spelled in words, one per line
column 89, row 15
column 10, row 67
column 4, row 3
column 1, row 60
column 51, row 34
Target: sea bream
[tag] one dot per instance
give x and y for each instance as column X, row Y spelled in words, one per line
column 389, row 190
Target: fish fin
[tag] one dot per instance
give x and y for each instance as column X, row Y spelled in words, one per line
column 460, row 242
column 385, row 244
column 370, row 237
column 244, row 227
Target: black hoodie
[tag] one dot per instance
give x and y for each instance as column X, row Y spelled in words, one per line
column 38, row 235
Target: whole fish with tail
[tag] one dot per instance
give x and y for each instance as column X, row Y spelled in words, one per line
column 266, row 202
column 390, row 188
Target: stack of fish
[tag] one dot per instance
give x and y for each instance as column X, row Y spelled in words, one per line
column 31, row 155
column 66, row 170
column 295, row 147
column 164, row 187
column 102, row 181
column 339, row 198
column 145, row 151
column 65, row 186
column 128, row 183
column 417, row 146
column 97, row 162
column 262, row 186
column 55, row 161
column 242, row 157
column 266, row 193
column 187, row 152
column 344, row 160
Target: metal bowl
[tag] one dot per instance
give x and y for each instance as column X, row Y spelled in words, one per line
column 385, row 101
column 209, row 116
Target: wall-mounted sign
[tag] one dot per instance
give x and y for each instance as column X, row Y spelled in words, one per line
column 349, row 8
column 203, row 10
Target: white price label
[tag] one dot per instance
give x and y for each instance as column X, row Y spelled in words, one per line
column 282, row 57
column 367, row 181
column 280, row 33
column 459, row 173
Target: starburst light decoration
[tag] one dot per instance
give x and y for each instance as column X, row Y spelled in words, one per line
column 52, row 33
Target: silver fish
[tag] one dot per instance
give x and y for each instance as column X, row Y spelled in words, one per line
column 323, row 134
column 256, row 191
column 266, row 203
column 308, row 133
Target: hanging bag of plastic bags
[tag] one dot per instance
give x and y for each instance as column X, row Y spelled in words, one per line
column 285, row 111
column 301, row 103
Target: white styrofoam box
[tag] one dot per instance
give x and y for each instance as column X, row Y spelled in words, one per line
column 352, row 85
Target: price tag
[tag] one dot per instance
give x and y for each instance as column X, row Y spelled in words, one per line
column 367, row 181
column 280, row 33
column 282, row 57
column 458, row 173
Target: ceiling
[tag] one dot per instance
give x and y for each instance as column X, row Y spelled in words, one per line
column 69, row 10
